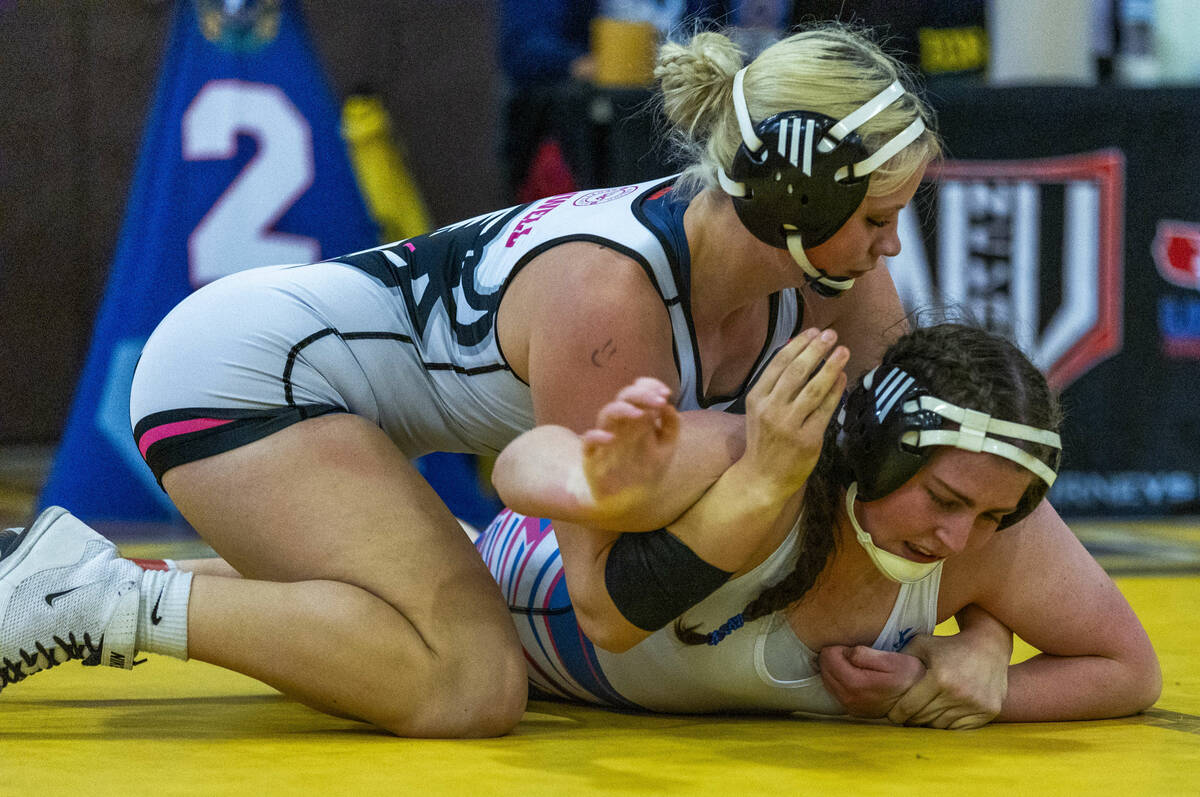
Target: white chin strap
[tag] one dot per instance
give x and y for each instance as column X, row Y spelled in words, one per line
column 831, row 139
column 796, row 249
column 896, row 568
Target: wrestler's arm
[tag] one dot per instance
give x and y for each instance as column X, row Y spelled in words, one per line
column 543, row 473
column 576, row 355
column 787, row 414
column 639, row 467
column 579, row 324
column 1096, row 659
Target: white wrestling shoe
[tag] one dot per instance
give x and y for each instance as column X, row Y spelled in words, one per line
column 64, row 594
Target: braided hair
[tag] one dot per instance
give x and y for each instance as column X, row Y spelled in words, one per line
column 963, row 364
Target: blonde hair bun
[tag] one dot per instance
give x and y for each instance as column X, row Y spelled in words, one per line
column 829, row 69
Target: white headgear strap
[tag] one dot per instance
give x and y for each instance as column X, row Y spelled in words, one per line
column 975, row 433
column 852, row 121
column 745, row 124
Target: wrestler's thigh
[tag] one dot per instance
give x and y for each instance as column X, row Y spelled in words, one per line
column 333, row 498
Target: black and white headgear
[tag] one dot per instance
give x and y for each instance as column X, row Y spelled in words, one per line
column 798, row 176
column 890, row 424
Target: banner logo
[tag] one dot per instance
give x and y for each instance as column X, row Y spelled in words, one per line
column 1177, row 253
column 239, row 26
column 1030, row 248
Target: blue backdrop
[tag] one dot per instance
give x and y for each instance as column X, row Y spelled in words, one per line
column 242, row 164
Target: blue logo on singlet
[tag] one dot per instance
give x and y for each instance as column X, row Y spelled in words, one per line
column 902, row 639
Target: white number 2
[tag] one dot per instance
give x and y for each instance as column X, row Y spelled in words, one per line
column 237, row 233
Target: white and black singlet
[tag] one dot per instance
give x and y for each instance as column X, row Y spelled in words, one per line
column 403, row 334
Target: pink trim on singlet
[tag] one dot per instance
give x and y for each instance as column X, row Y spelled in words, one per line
column 177, row 428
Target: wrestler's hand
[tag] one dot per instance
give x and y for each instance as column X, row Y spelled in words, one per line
column 964, row 686
column 789, row 408
column 867, row 682
column 629, row 449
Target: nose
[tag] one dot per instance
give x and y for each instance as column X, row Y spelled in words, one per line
column 887, row 243
column 953, row 533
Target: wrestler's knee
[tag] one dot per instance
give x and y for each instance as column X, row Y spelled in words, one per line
column 473, row 694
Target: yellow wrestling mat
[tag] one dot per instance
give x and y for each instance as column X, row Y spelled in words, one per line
column 175, row 728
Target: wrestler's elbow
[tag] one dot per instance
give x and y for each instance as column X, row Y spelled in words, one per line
column 1138, row 682
column 1148, row 683
column 605, row 627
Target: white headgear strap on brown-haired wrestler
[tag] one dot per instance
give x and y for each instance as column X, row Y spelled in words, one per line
column 976, row 432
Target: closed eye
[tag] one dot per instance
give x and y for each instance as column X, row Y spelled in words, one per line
column 944, row 503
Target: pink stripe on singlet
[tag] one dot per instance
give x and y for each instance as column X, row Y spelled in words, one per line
column 177, row 428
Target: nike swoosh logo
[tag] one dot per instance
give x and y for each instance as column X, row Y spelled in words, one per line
column 53, row 596
column 155, row 617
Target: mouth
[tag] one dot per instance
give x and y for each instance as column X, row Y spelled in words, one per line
column 919, row 554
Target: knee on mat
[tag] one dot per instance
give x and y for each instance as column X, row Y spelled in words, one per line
column 479, row 698
column 494, row 696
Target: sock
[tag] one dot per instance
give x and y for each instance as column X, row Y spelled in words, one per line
column 156, row 564
column 162, row 614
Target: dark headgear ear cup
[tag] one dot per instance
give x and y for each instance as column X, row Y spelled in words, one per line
column 789, row 181
column 1029, row 501
column 873, row 422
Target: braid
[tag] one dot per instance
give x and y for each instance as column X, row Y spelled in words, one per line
column 817, row 543
column 962, row 364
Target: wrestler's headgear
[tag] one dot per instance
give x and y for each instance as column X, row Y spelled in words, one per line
column 889, row 427
column 798, row 176
column 890, row 424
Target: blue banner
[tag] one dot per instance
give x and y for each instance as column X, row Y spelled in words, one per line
column 242, row 164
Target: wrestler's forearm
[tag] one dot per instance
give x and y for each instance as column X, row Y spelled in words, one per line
column 726, row 527
column 734, row 518
column 541, row 474
column 1055, row 688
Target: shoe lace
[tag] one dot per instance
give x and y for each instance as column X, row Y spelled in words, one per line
column 28, row 663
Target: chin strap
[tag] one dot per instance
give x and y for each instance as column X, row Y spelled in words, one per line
column 896, row 568
column 819, row 280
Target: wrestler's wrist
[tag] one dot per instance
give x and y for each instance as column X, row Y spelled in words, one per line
column 758, row 486
column 982, row 628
